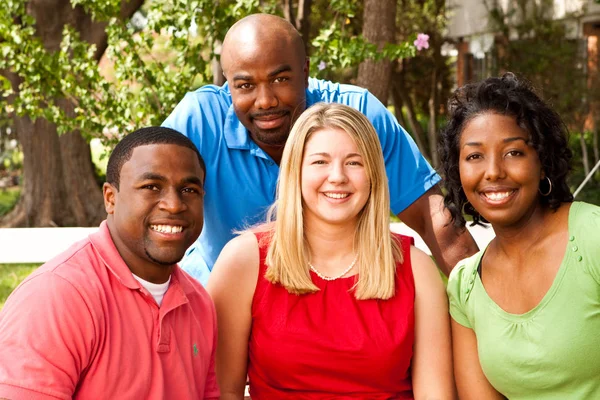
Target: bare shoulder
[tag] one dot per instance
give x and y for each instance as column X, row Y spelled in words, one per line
column 237, row 266
column 425, row 272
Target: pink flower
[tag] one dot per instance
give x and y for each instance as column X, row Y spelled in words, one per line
column 322, row 65
column 422, row 41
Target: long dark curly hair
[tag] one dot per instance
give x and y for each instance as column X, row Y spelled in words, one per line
column 506, row 95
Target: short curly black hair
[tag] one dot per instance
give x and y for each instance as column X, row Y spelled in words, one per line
column 143, row 137
column 506, row 95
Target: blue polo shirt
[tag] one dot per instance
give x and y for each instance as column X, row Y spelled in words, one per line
column 241, row 178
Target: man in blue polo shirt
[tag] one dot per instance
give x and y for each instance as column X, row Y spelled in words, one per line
column 241, row 127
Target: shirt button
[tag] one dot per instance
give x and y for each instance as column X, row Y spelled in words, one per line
column 575, row 248
column 571, row 238
column 579, row 258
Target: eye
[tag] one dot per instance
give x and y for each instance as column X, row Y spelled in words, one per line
column 474, row 156
column 355, row 163
column 318, row 162
column 190, row 190
column 281, row 79
column 514, row 153
column 244, row 86
column 150, row 186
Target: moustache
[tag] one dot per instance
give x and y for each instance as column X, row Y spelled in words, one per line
column 268, row 114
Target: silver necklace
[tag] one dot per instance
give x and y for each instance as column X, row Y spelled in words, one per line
column 332, row 278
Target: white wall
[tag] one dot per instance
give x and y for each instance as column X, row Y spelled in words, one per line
column 470, row 17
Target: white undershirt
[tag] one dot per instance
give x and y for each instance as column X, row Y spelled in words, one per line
column 157, row 290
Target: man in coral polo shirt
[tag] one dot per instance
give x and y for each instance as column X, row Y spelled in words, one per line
column 114, row 317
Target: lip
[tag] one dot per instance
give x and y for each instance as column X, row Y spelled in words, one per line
column 334, row 200
column 270, row 121
column 511, row 193
column 168, row 235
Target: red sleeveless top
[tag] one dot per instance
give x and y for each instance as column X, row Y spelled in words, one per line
column 328, row 344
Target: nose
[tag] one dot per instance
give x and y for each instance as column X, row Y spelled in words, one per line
column 172, row 201
column 266, row 98
column 337, row 174
column 494, row 169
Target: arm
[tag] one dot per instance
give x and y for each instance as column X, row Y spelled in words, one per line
column 470, row 379
column 432, row 360
column 428, row 217
column 231, row 286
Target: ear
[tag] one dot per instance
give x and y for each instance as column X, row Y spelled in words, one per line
column 109, row 193
column 306, row 71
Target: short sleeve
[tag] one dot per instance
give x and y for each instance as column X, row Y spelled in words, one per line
column 409, row 174
column 585, row 235
column 46, row 339
column 200, row 116
column 458, row 292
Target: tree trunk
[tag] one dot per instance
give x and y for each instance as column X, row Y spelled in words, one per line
column 584, row 154
column 433, row 104
column 379, row 27
column 400, row 95
column 59, row 184
column 300, row 19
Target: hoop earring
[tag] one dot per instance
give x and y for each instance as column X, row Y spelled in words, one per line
column 549, row 187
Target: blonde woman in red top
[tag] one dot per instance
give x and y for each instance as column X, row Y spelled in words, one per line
column 324, row 301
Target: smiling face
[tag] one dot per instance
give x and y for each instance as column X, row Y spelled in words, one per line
column 335, row 185
column 499, row 170
column 157, row 212
column 267, row 76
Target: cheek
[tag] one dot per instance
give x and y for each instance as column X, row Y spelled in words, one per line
column 242, row 103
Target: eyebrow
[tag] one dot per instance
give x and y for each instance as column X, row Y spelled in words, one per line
column 350, row 155
column 507, row 140
column 277, row 71
column 151, row 176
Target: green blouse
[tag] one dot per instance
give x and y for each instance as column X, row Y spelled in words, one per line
column 553, row 350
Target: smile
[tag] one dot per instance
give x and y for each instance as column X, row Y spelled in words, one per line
column 498, row 197
column 167, row 228
column 336, row 195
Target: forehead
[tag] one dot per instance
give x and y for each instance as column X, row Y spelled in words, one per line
column 330, row 140
column 169, row 160
column 490, row 127
column 258, row 54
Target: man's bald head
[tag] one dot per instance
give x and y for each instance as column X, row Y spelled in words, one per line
column 261, row 31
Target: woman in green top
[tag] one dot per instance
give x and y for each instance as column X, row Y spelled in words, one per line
column 526, row 309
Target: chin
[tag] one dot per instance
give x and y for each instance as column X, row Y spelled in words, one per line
column 165, row 258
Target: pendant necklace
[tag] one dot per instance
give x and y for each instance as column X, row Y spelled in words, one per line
column 332, row 278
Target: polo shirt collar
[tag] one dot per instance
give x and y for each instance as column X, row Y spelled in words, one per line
column 106, row 249
column 235, row 133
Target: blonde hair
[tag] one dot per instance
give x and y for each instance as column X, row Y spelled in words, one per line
column 378, row 251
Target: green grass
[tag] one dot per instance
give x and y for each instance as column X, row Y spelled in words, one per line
column 10, row 277
column 8, row 199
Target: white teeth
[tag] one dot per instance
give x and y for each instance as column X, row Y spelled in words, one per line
column 166, row 228
column 337, row 195
column 497, row 195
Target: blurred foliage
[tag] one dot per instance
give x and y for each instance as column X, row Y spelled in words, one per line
column 591, row 191
column 152, row 60
column 8, row 199
column 10, row 277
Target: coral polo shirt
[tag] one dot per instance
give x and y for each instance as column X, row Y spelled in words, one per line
column 82, row 327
